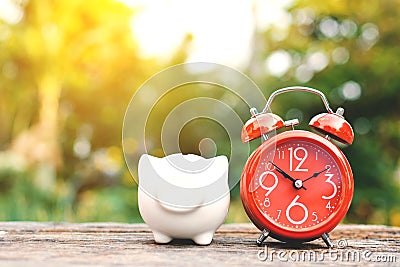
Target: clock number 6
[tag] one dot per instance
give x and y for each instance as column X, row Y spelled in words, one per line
column 301, row 205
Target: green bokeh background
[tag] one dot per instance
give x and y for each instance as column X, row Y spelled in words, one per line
column 68, row 70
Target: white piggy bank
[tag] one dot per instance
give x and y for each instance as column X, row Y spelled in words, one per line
column 183, row 196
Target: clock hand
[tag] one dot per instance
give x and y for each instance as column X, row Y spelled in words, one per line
column 282, row 172
column 316, row 174
column 297, row 183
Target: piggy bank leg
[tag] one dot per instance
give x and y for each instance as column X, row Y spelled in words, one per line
column 161, row 238
column 204, row 238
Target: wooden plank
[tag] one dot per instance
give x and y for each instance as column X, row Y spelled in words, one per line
column 109, row 244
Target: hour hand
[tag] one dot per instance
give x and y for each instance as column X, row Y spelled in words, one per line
column 296, row 182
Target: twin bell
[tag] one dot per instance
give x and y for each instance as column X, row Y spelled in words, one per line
column 331, row 124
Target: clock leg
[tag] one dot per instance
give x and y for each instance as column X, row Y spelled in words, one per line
column 263, row 236
column 327, row 240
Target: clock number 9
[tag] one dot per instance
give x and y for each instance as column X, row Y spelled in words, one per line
column 263, row 177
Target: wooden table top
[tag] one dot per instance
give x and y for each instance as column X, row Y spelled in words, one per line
column 118, row 244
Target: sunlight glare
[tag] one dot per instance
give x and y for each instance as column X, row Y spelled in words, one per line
column 278, row 63
column 221, row 31
column 10, row 12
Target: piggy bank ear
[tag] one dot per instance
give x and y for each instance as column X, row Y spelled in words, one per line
column 149, row 179
column 143, row 167
column 223, row 164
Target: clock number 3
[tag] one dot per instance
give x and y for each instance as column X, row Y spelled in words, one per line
column 328, row 180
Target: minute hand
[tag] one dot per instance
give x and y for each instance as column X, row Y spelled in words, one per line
column 316, row 174
column 287, row 176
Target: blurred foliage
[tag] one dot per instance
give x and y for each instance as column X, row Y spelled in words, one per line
column 69, row 68
column 68, row 71
column 347, row 50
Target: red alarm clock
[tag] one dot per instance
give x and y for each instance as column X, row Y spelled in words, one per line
column 297, row 185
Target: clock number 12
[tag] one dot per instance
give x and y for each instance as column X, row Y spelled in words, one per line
column 294, row 153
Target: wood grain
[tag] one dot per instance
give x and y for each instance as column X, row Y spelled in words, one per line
column 116, row 244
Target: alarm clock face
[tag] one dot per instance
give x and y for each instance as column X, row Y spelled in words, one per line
column 301, row 186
